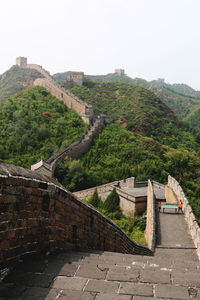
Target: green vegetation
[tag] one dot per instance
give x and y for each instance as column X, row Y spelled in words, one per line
column 138, row 110
column 133, row 226
column 33, row 125
column 15, row 80
column 95, row 199
column 118, row 153
column 182, row 99
column 112, row 202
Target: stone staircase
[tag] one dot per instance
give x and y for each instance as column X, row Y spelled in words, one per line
column 172, row 273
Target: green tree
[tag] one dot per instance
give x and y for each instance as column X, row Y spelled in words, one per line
column 112, row 202
column 95, row 200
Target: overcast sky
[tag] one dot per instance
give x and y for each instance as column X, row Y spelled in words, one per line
column 150, row 39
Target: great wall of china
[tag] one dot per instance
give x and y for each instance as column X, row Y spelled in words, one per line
column 85, row 111
column 39, row 215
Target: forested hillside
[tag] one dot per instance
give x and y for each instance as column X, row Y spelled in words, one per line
column 16, row 79
column 182, row 104
column 181, row 98
column 33, row 125
column 137, row 109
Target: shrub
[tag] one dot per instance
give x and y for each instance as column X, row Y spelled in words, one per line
column 112, row 202
column 95, row 200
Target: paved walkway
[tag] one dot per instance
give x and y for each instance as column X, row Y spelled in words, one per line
column 173, row 273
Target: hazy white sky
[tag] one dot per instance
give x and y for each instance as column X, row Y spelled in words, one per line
column 148, row 38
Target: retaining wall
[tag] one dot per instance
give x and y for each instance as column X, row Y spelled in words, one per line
column 176, row 189
column 38, row 214
column 150, row 231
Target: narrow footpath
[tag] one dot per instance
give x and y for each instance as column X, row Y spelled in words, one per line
column 172, row 273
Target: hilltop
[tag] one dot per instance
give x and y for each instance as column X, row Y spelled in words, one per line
column 181, row 98
column 16, row 79
column 182, row 104
column 136, row 109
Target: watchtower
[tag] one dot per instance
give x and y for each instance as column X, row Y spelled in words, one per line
column 75, row 77
column 120, row 72
column 21, row 61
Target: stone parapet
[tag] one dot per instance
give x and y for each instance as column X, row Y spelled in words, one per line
column 193, row 226
column 150, row 231
column 38, row 214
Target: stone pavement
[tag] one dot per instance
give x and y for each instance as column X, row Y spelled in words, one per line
column 172, row 273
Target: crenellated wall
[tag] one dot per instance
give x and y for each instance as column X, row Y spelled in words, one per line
column 38, row 214
column 178, row 194
column 150, row 231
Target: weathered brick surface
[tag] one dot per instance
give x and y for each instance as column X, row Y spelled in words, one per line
column 39, row 215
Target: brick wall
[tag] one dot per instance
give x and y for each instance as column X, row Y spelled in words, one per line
column 193, row 226
column 39, row 214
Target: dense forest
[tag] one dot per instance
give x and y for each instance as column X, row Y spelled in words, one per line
column 33, row 125
column 138, row 110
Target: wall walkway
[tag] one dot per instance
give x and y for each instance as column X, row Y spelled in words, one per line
column 175, row 192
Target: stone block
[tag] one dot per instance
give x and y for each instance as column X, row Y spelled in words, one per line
column 101, row 286
column 69, row 283
column 52, row 294
column 123, row 274
column 157, row 276
column 138, row 289
column 113, row 297
column 62, row 269
column 189, row 278
column 91, row 271
column 171, row 292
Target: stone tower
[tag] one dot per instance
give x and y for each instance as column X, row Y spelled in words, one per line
column 75, row 77
column 120, row 72
column 21, row 61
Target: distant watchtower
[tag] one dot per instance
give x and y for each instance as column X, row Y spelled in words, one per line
column 120, row 72
column 21, row 61
column 75, row 77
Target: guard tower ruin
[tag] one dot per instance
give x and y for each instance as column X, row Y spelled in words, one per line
column 76, row 78
column 21, row 61
column 120, row 72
